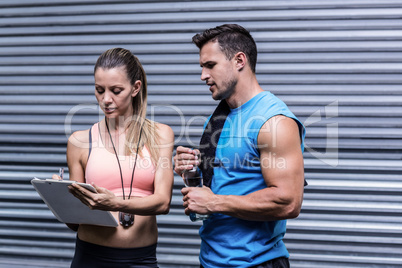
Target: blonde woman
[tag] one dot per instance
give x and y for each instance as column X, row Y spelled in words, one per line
column 129, row 162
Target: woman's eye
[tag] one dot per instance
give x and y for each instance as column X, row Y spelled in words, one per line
column 116, row 90
column 99, row 90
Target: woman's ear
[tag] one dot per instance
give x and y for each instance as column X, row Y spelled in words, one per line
column 136, row 88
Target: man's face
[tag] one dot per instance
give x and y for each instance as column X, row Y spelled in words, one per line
column 218, row 72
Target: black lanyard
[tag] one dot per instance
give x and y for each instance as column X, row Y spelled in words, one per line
column 126, row 219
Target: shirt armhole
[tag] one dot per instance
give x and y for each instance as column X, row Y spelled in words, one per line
column 90, row 142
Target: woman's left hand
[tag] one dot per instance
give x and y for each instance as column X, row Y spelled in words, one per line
column 103, row 199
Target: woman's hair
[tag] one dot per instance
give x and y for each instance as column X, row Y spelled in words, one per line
column 120, row 57
column 232, row 38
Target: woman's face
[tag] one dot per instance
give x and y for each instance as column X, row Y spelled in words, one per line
column 114, row 92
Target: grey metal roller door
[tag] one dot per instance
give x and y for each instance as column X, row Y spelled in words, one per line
column 336, row 63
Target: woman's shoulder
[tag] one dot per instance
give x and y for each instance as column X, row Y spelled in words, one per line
column 163, row 127
column 165, row 132
column 78, row 148
column 79, row 139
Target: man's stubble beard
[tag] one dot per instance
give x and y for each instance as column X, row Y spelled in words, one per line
column 229, row 90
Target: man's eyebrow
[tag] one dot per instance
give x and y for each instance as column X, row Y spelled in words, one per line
column 207, row 63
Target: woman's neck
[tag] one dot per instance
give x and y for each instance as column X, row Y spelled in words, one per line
column 116, row 128
column 114, row 135
column 116, row 124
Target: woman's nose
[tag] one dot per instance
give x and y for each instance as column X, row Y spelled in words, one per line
column 107, row 97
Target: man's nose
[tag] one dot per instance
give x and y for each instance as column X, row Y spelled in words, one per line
column 204, row 74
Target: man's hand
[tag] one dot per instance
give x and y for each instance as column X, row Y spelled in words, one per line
column 185, row 159
column 200, row 200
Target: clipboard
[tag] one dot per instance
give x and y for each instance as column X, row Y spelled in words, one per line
column 66, row 207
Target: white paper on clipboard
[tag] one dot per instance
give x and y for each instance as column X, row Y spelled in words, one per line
column 66, row 207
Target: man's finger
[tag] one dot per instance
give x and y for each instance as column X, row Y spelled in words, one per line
column 185, row 190
column 182, row 149
column 184, row 156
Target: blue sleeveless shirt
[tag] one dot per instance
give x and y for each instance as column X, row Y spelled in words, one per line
column 232, row 242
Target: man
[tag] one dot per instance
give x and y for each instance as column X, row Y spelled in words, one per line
column 251, row 153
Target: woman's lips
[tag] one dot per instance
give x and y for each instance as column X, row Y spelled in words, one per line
column 109, row 110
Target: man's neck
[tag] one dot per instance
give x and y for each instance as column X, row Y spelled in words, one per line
column 245, row 91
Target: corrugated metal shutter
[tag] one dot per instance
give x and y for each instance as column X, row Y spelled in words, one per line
column 337, row 64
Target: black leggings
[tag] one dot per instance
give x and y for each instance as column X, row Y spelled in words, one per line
column 88, row 255
column 275, row 263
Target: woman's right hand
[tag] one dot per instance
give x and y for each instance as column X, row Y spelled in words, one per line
column 56, row 177
column 60, row 176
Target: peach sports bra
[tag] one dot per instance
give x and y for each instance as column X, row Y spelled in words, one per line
column 103, row 170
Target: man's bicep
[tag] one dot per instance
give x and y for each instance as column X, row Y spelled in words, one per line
column 280, row 152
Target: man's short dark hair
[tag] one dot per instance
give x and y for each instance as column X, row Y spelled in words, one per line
column 232, row 38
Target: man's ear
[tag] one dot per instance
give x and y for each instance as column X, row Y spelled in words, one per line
column 136, row 88
column 240, row 60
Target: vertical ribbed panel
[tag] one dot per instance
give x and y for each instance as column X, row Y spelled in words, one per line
column 336, row 63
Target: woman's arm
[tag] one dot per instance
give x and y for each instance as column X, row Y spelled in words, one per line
column 157, row 203
column 77, row 153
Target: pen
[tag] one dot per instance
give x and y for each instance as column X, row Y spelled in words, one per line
column 61, row 172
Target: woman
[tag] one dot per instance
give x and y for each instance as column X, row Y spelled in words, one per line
column 129, row 162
